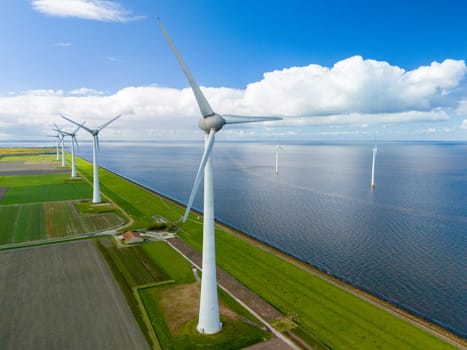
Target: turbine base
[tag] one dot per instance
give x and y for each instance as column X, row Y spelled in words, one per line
column 202, row 330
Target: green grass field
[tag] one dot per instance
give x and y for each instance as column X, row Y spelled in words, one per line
column 37, row 207
column 42, row 188
column 31, row 222
column 139, row 203
column 136, row 266
column 337, row 318
column 22, row 223
column 6, row 152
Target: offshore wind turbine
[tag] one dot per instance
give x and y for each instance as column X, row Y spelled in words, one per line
column 96, row 193
column 73, row 143
column 278, row 148
column 210, row 123
column 375, row 150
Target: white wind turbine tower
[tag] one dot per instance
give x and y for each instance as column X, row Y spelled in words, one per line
column 210, row 123
column 62, row 139
column 58, row 145
column 57, row 136
column 96, row 193
column 73, row 143
column 278, row 148
column 373, row 167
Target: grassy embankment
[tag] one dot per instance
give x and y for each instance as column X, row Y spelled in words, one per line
column 37, row 207
column 337, row 318
column 154, row 272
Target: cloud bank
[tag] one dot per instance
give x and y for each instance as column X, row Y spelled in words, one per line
column 355, row 92
column 98, row 10
column 354, row 85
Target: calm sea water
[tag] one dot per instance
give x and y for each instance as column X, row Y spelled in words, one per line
column 405, row 241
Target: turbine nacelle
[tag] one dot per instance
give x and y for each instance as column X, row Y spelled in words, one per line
column 214, row 121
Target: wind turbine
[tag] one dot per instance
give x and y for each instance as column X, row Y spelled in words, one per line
column 96, row 193
column 57, row 136
column 73, row 143
column 278, row 148
column 373, row 167
column 210, row 123
column 62, row 139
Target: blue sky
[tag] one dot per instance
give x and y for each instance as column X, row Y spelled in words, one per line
column 336, row 70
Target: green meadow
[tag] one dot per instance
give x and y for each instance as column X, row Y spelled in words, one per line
column 22, row 223
column 9, row 152
column 42, row 188
column 37, row 207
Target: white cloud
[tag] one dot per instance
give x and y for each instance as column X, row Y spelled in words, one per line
column 353, row 93
column 464, row 124
column 353, row 85
column 43, row 92
column 86, row 92
column 99, row 10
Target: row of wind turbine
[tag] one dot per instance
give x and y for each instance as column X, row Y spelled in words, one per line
column 74, row 142
column 61, row 137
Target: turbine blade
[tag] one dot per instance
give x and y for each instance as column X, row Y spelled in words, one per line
column 99, row 128
column 76, row 143
column 98, row 148
column 78, row 127
column 57, row 129
column 203, row 104
column 238, row 119
column 77, row 124
column 199, row 174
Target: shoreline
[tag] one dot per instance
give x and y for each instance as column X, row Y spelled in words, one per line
column 419, row 322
